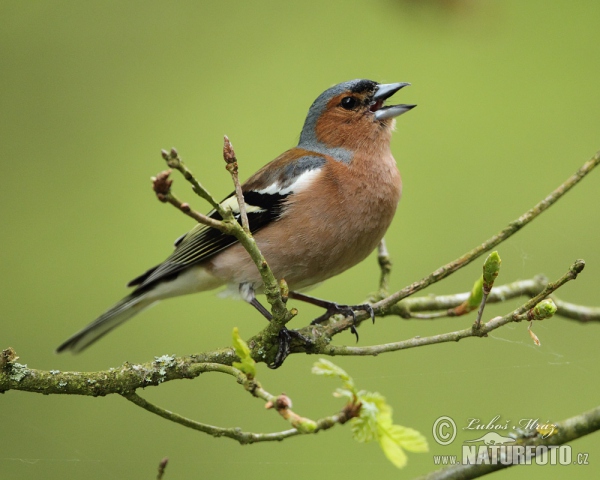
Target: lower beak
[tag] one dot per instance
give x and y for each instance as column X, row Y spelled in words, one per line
column 383, row 92
column 392, row 111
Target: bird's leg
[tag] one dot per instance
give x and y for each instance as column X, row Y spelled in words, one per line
column 247, row 293
column 332, row 308
column 285, row 335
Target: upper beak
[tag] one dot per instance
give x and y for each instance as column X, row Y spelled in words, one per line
column 384, row 91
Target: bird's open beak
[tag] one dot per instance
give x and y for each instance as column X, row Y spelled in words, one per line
column 383, row 92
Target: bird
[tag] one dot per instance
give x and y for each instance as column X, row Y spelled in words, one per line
column 315, row 211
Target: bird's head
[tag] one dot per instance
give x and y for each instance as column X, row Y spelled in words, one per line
column 349, row 114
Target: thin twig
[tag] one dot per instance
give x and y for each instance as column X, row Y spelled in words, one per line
column 579, row 313
column 385, row 264
column 232, row 167
column 161, row 184
column 445, row 305
column 486, row 246
column 234, row 432
column 482, row 331
column 282, row 404
column 174, row 161
column 481, row 307
column 161, row 468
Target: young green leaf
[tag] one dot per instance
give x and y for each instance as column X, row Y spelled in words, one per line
column 364, row 427
column 247, row 363
column 491, row 269
column 329, row 369
column 476, row 294
column 543, row 310
column 394, row 439
column 392, row 450
column 374, row 421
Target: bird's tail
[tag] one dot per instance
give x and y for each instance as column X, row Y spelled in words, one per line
column 112, row 318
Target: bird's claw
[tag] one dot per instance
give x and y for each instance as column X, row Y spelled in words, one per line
column 284, row 338
column 348, row 311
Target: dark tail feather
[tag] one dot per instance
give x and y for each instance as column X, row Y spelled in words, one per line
column 118, row 314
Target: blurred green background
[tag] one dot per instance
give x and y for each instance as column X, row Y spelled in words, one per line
column 508, row 103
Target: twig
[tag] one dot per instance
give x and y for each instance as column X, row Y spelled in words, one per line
column 282, row 404
column 482, row 331
column 566, row 431
column 232, row 167
column 579, row 313
column 161, row 468
column 491, row 268
column 174, row 161
column 234, row 432
column 161, row 184
column 385, row 264
column 512, row 228
column 445, row 305
column 481, row 307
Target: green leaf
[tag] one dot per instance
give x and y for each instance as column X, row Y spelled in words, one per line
column 329, row 369
column 543, row 310
column 394, row 439
column 491, row 269
column 344, row 393
column 476, row 293
column 373, row 410
column 409, row 439
column 392, row 451
column 374, row 421
column 247, row 363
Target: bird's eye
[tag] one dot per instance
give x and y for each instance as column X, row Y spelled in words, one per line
column 349, row 103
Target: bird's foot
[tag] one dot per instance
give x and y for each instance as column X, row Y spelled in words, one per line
column 346, row 310
column 285, row 339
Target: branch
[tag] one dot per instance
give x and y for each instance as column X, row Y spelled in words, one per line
column 566, row 431
column 232, row 167
column 174, row 161
column 161, row 468
column 482, row 331
column 579, row 313
column 512, row 228
column 161, row 184
column 236, row 433
column 385, row 265
column 127, row 378
column 443, row 306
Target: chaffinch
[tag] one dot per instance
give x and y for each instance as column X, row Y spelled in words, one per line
column 315, row 211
